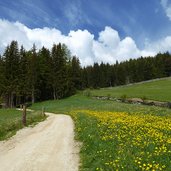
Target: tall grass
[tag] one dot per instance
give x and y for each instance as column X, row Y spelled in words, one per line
column 11, row 121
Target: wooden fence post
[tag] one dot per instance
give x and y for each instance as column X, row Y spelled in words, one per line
column 43, row 111
column 24, row 115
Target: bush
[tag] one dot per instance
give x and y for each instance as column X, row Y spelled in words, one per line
column 169, row 105
column 123, row 97
column 108, row 96
column 87, row 93
column 144, row 98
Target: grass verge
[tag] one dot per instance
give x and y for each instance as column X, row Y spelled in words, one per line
column 11, row 121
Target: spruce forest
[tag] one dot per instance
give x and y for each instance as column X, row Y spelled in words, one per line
column 37, row 75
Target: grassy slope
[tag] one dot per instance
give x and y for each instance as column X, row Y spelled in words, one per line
column 80, row 102
column 154, row 90
column 10, row 121
column 89, row 129
column 97, row 154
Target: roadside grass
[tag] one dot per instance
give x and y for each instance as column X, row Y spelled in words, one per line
column 11, row 121
column 153, row 90
column 117, row 136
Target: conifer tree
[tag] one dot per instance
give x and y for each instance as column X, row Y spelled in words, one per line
column 33, row 73
column 76, row 73
column 11, row 63
column 59, row 71
column 23, row 76
column 45, row 74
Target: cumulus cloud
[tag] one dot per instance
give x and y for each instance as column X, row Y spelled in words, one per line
column 80, row 43
column 109, row 47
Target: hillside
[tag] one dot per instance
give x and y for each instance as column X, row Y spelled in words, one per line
column 154, row 90
column 115, row 135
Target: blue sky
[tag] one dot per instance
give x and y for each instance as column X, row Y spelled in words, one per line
column 145, row 21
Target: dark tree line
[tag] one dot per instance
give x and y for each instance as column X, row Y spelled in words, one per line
column 29, row 76
column 37, row 75
column 134, row 70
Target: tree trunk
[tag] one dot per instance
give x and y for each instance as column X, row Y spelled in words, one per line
column 32, row 96
column 43, row 111
column 54, row 94
column 11, row 100
column 8, row 101
column 18, row 100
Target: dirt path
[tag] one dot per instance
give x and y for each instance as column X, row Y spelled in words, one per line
column 49, row 146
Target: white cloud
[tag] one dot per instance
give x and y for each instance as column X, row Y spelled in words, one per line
column 162, row 45
column 109, row 47
column 109, row 37
column 80, row 43
column 167, row 7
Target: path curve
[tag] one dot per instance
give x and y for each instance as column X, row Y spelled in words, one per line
column 48, row 146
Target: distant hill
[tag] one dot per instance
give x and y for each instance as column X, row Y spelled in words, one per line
column 158, row 89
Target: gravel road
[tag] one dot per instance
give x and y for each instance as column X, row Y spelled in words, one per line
column 48, row 146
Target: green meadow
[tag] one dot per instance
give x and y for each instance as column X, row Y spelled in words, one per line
column 115, row 135
column 153, row 90
column 81, row 102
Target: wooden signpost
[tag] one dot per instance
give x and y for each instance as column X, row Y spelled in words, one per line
column 24, row 116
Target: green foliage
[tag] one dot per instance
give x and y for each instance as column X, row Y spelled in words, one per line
column 76, row 73
column 87, row 92
column 144, row 98
column 108, row 96
column 132, row 71
column 10, row 83
column 123, row 97
column 37, row 75
column 169, row 105
column 29, row 76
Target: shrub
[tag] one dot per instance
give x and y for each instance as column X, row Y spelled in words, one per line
column 144, row 98
column 123, row 97
column 108, row 96
column 87, row 93
column 169, row 105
